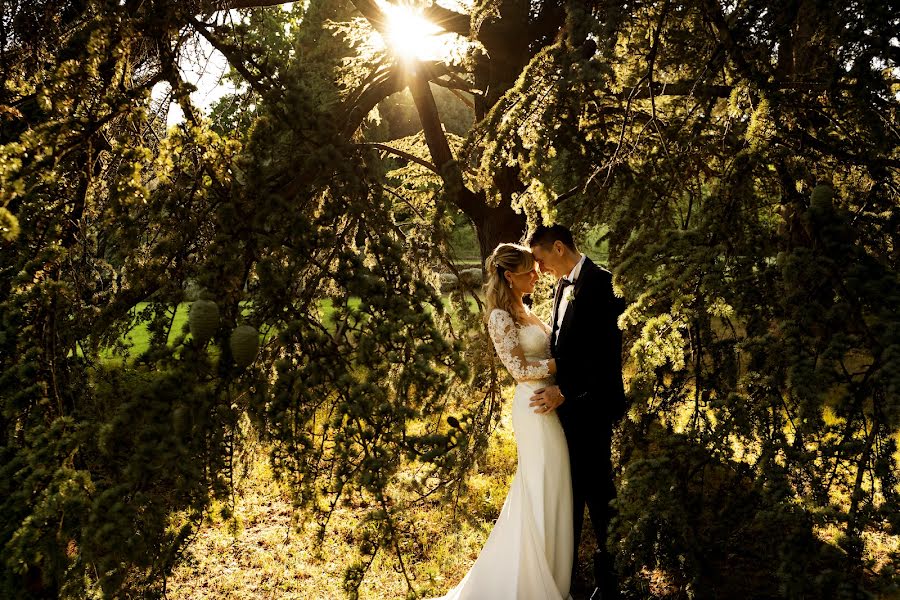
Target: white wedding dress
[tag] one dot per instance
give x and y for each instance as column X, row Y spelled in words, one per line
column 528, row 555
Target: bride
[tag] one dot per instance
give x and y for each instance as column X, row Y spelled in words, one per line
column 528, row 555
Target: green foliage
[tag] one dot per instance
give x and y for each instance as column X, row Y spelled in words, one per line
column 708, row 527
column 9, row 225
column 742, row 167
column 752, row 225
column 110, row 465
column 759, row 326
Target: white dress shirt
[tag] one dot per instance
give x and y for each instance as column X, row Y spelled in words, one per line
column 564, row 300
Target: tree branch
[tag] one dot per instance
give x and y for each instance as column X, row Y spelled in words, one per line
column 455, row 84
column 389, row 84
column 373, row 13
column 446, row 19
column 455, row 91
column 449, row 20
column 439, row 147
column 715, row 17
column 841, row 153
column 654, row 49
column 378, row 72
column 217, row 5
column 548, row 24
column 431, row 121
column 231, row 53
column 381, row 87
column 692, row 88
column 401, row 153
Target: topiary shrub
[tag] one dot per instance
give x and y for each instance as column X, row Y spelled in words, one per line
column 470, row 278
column 447, row 282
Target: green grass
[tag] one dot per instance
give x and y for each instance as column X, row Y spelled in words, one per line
column 139, row 337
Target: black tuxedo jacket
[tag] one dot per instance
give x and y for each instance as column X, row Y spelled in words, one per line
column 588, row 351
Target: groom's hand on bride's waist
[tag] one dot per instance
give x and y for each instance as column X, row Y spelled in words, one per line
column 546, row 399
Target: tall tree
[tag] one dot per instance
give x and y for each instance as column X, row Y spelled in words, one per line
column 501, row 39
column 742, row 156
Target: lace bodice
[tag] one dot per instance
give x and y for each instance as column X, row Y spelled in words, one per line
column 524, row 350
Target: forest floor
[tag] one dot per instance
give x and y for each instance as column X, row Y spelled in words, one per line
column 263, row 552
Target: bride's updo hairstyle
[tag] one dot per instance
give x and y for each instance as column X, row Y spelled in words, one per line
column 497, row 293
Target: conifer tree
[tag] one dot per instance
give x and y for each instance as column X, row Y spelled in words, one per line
column 742, row 158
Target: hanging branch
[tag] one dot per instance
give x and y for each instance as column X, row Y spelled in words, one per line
column 400, row 153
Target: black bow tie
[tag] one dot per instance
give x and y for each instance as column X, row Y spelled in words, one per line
column 564, row 283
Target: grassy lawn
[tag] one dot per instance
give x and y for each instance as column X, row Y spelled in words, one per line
column 139, row 338
column 464, row 243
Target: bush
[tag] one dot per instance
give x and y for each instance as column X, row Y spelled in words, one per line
column 470, row 278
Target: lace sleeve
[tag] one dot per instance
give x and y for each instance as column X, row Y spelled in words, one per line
column 506, row 340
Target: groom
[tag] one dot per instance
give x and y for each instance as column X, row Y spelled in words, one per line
column 589, row 396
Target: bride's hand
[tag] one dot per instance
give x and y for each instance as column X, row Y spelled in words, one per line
column 546, row 399
column 551, row 366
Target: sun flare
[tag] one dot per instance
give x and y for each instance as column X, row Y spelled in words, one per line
column 411, row 36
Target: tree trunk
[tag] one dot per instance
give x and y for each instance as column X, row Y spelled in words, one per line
column 507, row 41
column 499, row 224
column 493, row 224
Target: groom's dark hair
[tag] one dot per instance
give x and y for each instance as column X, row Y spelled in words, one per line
column 547, row 236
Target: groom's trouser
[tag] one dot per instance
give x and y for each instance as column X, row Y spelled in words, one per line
column 592, row 486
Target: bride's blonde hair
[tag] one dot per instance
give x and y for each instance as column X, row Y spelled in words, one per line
column 497, row 293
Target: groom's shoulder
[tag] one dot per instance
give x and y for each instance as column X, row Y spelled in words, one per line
column 597, row 270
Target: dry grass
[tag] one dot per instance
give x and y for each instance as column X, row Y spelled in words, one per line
column 264, row 552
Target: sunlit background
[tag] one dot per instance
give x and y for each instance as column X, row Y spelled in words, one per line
column 409, row 37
